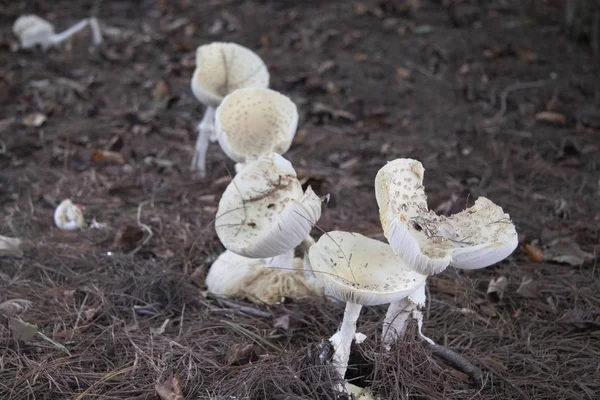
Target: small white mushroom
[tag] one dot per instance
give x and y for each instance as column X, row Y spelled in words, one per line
column 221, row 68
column 360, row 271
column 253, row 121
column 474, row 238
column 264, row 212
column 69, row 216
column 234, row 276
column 33, row 31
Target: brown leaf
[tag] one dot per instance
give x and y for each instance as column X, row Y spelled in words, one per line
column 567, row 252
column 551, row 117
column 22, row 330
column 34, row 119
column 129, row 237
column 446, row 286
column 496, row 289
column 529, row 288
column 534, row 254
column 170, row 389
column 243, row 353
column 15, row 306
column 108, row 156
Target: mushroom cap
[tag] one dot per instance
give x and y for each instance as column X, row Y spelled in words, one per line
column 357, row 269
column 232, row 275
column 474, row 238
column 254, row 121
column 32, row 30
column 263, row 211
column 69, row 216
column 224, row 67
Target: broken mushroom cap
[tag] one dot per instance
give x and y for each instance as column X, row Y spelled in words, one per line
column 264, row 212
column 357, row 269
column 69, row 216
column 222, row 68
column 234, row 276
column 474, row 238
column 254, row 121
column 33, row 30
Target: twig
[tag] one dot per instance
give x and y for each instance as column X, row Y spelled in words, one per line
column 144, row 227
column 246, row 309
column 512, row 88
column 458, row 361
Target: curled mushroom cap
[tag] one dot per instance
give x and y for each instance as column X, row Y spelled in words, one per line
column 253, row 121
column 264, row 212
column 357, row 269
column 69, row 216
column 232, row 275
column 33, row 30
column 474, row 238
column 222, row 68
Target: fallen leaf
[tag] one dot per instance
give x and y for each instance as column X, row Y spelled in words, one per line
column 446, row 286
column 551, row 117
column 402, row 73
column 170, row 389
column 581, row 319
column 108, row 156
column 534, row 254
column 128, row 238
column 290, row 319
column 567, row 252
column 529, row 288
column 10, row 246
column 15, row 306
column 496, row 289
column 160, row 91
column 22, row 330
column 243, row 353
column 34, row 119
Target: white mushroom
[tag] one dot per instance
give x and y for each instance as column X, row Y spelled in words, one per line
column 33, row 31
column 253, row 121
column 360, row 271
column 232, row 275
column 69, row 216
column 264, row 212
column 221, row 68
column 474, row 238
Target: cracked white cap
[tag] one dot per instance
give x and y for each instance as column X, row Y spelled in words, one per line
column 474, row 238
column 224, row 67
column 33, row 30
column 254, row 121
column 357, row 269
column 264, row 212
column 69, row 216
column 234, row 276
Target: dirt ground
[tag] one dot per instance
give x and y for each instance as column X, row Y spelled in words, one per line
column 493, row 99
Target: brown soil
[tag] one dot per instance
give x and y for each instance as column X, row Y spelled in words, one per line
column 458, row 88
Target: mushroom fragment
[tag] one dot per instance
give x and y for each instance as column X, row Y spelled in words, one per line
column 360, row 271
column 232, row 275
column 264, row 212
column 474, row 238
column 221, row 68
column 33, row 31
column 69, row 216
column 10, row 246
column 253, row 121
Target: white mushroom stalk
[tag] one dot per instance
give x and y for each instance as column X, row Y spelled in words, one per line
column 234, row 276
column 253, row 121
column 474, row 238
column 33, row 31
column 362, row 272
column 69, row 216
column 221, row 68
column 264, row 212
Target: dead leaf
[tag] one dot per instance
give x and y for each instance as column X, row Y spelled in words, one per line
column 567, row 252
column 10, row 246
column 446, row 286
column 34, row 119
column 402, row 73
column 170, row 389
column 243, row 353
column 22, row 330
column 496, row 289
column 581, row 319
column 160, row 91
column 128, row 238
column 290, row 319
column 14, row 306
column 551, row 117
column 534, row 254
column 108, row 156
column 529, row 288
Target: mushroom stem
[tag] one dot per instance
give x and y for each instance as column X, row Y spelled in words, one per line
column 96, row 32
column 342, row 340
column 283, row 261
column 205, row 128
column 307, row 243
column 59, row 37
column 394, row 324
